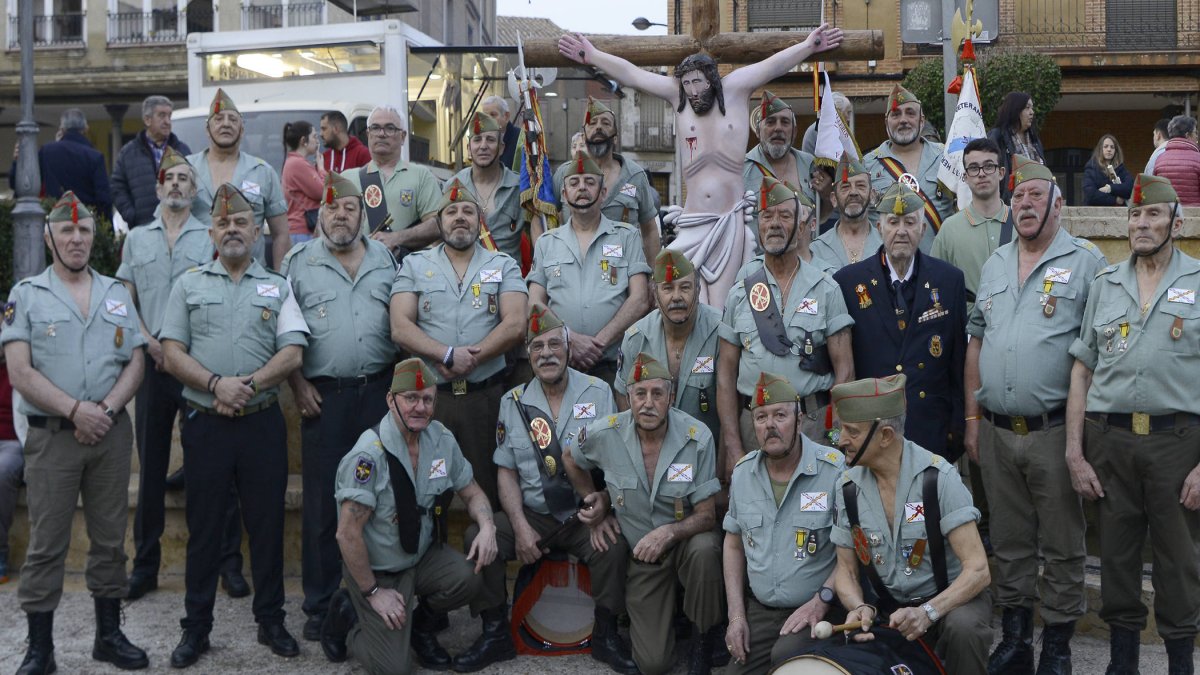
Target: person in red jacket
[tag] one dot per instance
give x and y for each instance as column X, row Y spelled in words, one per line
column 1180, row 159
column 343, row 151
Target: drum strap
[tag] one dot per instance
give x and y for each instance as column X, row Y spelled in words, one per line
column 556, row 488
column 405, row 495
column 887, row 604
column 375, row 214
column 768, row 320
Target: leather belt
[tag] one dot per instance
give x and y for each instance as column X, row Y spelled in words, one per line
column 349, row 382
column 461, row 387
column 248, row 410
column 51, row 423
column 1023, row 424
column 1143, row 424
column 811, row 403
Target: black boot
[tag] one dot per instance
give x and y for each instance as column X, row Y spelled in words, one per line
column 493, row 646
column 1123, row 646
column 1014, row 654
column 338, row 622
column 424, row 640
column 1056, row 649
column 1179, row 656
column 39, row 658
column 607, row 645
column 700, row 662
column 193, row 643
column 111, row 645
column 720, row 653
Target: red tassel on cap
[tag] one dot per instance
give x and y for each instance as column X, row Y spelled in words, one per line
column 1012, row 177
column 420, row 378
column 670, row 276
column 1137, row 190
column 162, row 176
column 579, row 162
column 329, row 195
column 478, row 126
column 760, row 396
column 587, row 117
column 637, row 371
column 764, row 107
column 74, row 212
column 846, row 173
column 217, row 106
column 895, row 102
column 454, row 193
column 535, row 323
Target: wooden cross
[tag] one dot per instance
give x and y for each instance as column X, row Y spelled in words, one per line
column 662, row 50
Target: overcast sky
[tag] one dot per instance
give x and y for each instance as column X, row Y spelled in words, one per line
column 591, row 16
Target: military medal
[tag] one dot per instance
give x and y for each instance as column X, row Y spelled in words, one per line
column 321, row 311
column 864, row 299
column 914, row 554
column 491, row 303
column 812, row 542
column 612, row 275
column 476, row 303
column 1176, row 328
column 426, row 306
column 557, row 271
column 935, row 346
column 679, row 508
column 604, row 270
column 1124, row 343
column 551, row 465
column 878, row 559
column 51, row 331
column 861, row 547
column 875, row 540
column 808, row 346
column 703, row 399
column 1047, row 299
column 119, row 337
column 801, row 542
column 750, row 540
column 266, row 314
column 936, row 298
column 621, row 500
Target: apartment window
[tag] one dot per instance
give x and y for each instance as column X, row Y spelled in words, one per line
column 282, row 13
column 56, row 23
column 133, row 22
column 780, row 15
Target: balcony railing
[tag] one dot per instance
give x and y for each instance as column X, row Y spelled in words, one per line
column 776, row 15
column 1103, row 25
column 56, row 30
column 154, row 27
column 654, row 130
column 280, row 16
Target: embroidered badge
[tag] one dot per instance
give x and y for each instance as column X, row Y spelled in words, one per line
column 115, row 307
column 373, row 196
column 10, row 312
column 814, row 501
column 914, row 512
column 679, row 473
column 703, row 364
column 1186, row 296
column 613, row 251
column 808, row 306
column 491, row 276
column 935, row 346
column 501, row 433
column 406, row 197
column 760, row 296
column 583, row 411
column 437, row 468
column 363, row 470
column 268, row 290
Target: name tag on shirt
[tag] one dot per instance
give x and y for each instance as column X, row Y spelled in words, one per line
column 703, row 364
column 914, row 512
column 268, row 291
column 679, row 473
column 1184, row 296
column 614, row 251
column 808, row 306
column 490, row 276
column 814, row 501
column 1058, row 275
column 115, row 307
column 583, row 411
column 437, row 468
column 251, row 188
column 629, row 190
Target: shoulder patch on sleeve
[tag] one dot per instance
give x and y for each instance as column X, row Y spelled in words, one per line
column 363, row 469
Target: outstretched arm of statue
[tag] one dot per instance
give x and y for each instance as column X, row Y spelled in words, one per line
column 742, row 81
column 579, row 49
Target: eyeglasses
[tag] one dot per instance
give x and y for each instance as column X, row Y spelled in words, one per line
column 987, row 169
column 552, row 345
column 387, row 130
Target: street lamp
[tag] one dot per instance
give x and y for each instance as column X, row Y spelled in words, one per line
column 29, row 255
column 642, row 23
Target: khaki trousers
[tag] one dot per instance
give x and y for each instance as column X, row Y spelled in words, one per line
column 1142, row 477
column 1034, row 510
column 58, row 471
column 767, row 646
column 650, row 598
column 444, row 579
column 606, row 568
column 963, row 637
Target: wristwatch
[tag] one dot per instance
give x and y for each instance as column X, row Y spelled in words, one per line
column 109, row 412
column 826, row 595
column 931, row 612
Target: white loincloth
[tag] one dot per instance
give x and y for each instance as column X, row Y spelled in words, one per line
column 718, row 246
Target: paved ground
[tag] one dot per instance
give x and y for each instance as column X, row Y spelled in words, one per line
column 152, row 623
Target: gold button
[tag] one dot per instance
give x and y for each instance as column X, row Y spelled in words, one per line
column 921, row 365
column 899, row 368
column 921, row 394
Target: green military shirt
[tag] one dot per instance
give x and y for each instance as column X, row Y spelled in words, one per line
column 696, row 382
column 81, row 355
column 585, row 400
column 891, row 544
column 629, row 201
column 1153, row 369
column 926, row 175
column 232, row 329
column 585, row 289
column 829, row 252
column 450, row 311
column 152, row 267
column 411, row 193
column 757, row 160
column 1025, row 365
column 507, row 221
column 685, row 474
column 966, row 240
column 815, row 305
column 363, row 477
column 789, row 554
column 349, row 330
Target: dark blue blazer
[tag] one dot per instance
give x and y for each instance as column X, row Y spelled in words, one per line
column 73, row 164
column 930, row 351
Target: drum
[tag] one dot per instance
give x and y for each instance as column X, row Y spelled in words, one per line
column 553, row 610
column 888, row 654
column 808, row 664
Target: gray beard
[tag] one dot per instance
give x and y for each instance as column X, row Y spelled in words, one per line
column 776, row 152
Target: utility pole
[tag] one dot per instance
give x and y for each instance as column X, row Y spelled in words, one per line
column 29, row 251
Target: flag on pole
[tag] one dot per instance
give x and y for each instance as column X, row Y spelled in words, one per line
column 966, row 126
column 537, row 185
column 833, row 133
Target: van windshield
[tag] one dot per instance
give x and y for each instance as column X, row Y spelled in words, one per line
column 263, row 135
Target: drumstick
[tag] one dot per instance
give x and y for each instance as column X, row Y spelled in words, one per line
column 825, row 629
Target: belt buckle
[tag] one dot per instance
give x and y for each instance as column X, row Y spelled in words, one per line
column 459, row 387
column 1019, row 425
column 1141, row 423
